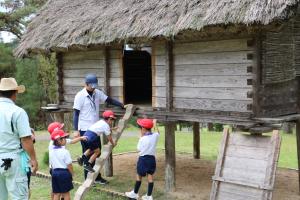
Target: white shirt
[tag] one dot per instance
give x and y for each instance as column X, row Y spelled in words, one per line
column 100, row 127
column 88, row 107
column 59, row 158
column 147, row 144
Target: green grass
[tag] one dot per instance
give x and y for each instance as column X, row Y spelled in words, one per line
column 184, row 143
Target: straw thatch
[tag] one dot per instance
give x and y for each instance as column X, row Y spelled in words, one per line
column 65, row 23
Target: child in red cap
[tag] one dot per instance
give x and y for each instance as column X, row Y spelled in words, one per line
column 93, row 142
column 61, row 163
column 146, row 164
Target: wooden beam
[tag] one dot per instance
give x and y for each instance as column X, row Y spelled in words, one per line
column 257, row 76
column 60, row 77
column 298, row 148
column 169, row 75
column 108, row 165
column 106, row 70
column 170, row 156
column 196, row 140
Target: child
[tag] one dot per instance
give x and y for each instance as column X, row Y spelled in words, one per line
column 61, row 163
column 56, row 126
column 93, row 143
column 146, row 164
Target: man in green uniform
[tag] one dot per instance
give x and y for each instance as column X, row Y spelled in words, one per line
column 15, row 137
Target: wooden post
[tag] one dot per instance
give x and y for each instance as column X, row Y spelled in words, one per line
column 196, row 140
column 298, row 148
column 108, row 166
column 169, row 126
column 60, row 77
column 170, row 156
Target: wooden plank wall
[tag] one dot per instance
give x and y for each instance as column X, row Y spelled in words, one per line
column 209, row 75
column 278, row 92
column 77, row 64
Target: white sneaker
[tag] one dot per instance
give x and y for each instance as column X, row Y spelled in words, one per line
column 132, row 195
column 146, row 197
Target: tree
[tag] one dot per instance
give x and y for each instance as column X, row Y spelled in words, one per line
column 7, row 60
column 17, row 14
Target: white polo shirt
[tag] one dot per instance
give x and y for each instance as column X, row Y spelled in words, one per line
column 59, row 158
column 147, row 144
column 88, row 107
column 100, row 127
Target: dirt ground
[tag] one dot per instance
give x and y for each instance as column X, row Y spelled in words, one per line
column 193, row 177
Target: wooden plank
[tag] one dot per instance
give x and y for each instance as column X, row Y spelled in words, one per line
column 207, row 81
column 220, row 69
column 238, row 151
column 219, row 163
column 196, row 140
column 273, row 160
column 208, row 58
column 207, row 104
column 212, row 46
column 205, row 93
column 72, row 90
column 206, row 46
column 80, row 64
column 170, row 156
column 248, row 192
column 90, row 55
column 249, row 140
column 81, row 73
column 257, row 75
column 249, row 164
column 80, row 82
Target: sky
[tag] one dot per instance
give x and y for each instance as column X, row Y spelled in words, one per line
column 7, row 37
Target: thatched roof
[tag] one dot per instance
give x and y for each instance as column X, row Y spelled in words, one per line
column 64, row 23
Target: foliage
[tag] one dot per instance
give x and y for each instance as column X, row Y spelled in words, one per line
column 218, row 127
column 47, row 74
column 27, row 75
column 17, row 14
column 7, row 60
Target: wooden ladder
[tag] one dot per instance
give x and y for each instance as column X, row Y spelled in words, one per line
column 105, row 152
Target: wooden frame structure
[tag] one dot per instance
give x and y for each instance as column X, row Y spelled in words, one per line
column 238, row 71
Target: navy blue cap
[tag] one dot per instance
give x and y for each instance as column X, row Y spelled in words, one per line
column 92, row 80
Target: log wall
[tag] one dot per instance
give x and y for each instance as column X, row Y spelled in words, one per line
column 77, row 64
column 210, row 75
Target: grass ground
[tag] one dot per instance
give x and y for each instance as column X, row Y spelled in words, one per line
column 184, row 143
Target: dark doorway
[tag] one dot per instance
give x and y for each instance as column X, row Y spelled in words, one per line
column 137, row 77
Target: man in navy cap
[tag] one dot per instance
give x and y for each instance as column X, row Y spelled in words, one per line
column 86, row 110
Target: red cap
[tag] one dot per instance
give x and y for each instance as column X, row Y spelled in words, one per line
column 145, row 123
column 53, row 126
column 58, row 133
column 108, row 114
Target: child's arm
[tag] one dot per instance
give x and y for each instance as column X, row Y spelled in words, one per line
column 70, row 168
column 77, row 139
column 155, row 126
column 110, row 139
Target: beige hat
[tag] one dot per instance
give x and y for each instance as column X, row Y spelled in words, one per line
column 7, row 84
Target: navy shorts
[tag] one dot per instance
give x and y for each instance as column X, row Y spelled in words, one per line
column 93, row 140
column 146, row 165
column 61, row 181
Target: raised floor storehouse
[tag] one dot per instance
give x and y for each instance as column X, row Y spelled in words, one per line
column 225, row 61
